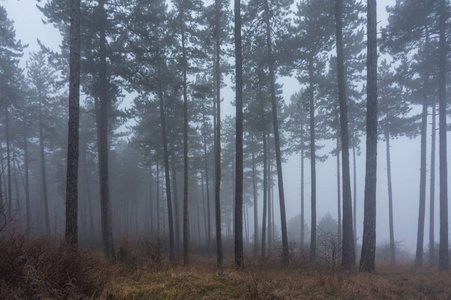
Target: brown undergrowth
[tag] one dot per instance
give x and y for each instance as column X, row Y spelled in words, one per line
column 42, row 269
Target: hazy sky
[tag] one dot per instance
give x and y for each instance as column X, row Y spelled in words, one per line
column 405, row 153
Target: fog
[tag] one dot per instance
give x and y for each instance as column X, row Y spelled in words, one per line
column 131, row 187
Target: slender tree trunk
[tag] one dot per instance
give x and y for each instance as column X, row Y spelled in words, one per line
column 27, row 180
column 269, row 228
column 204, row 206
column 443, row 247
column 422, row 204
column 166, row 167
column 312, row 163
column 158, row 200
column 338, row 190
column 185, row 142
column 367, row 258
column 71, row 231
column 348, row 250
column 176, row 212
column 254, row 192
column 302, row 190
column 272, row 81
column 219, row 260
column 354, row 164
column 432, row 257
column 265, row 198
column 390, row 199
column 208, row 232
column 105, row 202
column 88, row 193
column 8, row 166
column 239, row 140
column 43, row 168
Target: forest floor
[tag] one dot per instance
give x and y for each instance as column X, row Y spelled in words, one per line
column 271, row 281
column 38, row 269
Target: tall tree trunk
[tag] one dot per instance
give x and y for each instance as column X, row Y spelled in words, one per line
column 312, row 163
column 338, row 189
column 422, row 204
column 43, row 168
column 270, row 220
column 302, row 190
column 166, row 167
column 105, row 204
column 254, row 192
column 265, row 198
column 27, row 181
column 348, row 250
column 432, row 257
column 8, row 167
column 219, row 259
column 176, row 212
column 239, row 140
column 88, row 193
column 272, row 82
column 367, row 258
column 390, row 199
column 207, row 181
column 443, row 247
column 71, row 231
column 354, row 165
column 158, row 200
column 185, row 142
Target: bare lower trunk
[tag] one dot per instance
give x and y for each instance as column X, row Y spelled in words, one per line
column 432, row 257
column 367, row 259
column 312, row 164
column 265, row 198
column 390, row 200
column 71, row 232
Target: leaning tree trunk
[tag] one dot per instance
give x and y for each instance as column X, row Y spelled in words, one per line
column 239, row 140
column 71, row 231
column 367, row 259
column 348, row 250
column 283, row 218
column 443, row 247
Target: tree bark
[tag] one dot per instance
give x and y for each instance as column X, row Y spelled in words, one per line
column 27, row 181
column 443, row 247
column 272, row 81
column 390, row 199
column 422, row 202
column 312, row 163
column 185, row 142
column 348, row 250
column 8, row 167
column 254, row 192
column 207, row 181
column 239, row 140
column 43, row 168
column 219, row 259
column 367, row 258
column 166, row 168
column 302, row 189
column 71, row 231
column 432, row 257
column 265, row 197
column 105, row 203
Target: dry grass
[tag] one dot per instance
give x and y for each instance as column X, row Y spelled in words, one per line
column 41, row 269
column 268, row 281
